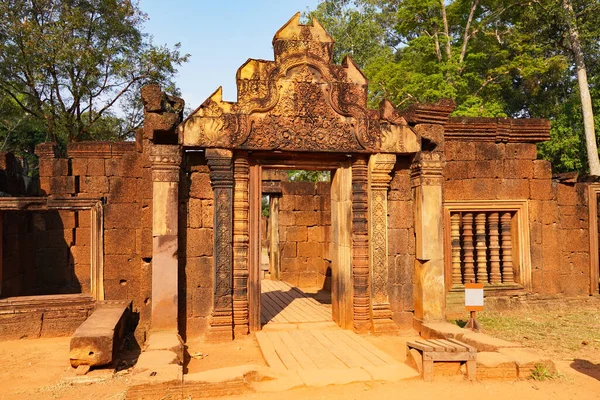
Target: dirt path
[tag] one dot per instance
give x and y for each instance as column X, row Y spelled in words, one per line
column 39, row 369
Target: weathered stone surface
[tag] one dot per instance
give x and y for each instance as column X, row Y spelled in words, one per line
column 495, row 366
column 199, row 242
column 165, row 341
column 483, row 342
column 526, row 360
column 96, row 341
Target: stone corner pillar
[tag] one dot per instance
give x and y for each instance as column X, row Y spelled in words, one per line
column 220, row 163
column 380, row 167
column 166, row 161
column 427, row 175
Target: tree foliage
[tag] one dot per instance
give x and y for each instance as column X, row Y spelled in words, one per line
column 495, row 58
column 67, row 64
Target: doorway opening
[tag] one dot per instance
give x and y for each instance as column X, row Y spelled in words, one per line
column 302, row 250
column 296, row 261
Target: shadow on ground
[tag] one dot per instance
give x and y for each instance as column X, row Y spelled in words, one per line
column 587, row 368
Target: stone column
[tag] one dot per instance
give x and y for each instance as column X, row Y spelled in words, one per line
column 380, row 166
column 429, row 291
column 240, row 245
column 360, row 245
column 166, row 160
column 221, row 176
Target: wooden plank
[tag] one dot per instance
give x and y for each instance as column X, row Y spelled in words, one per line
column 372, row 348
column 457, row 347
column 290, row 314
column 283, row 352
column 449, row 347
column 470, row 349
column 419, row 346
column 320, row 355
column 447, row 356
column 341, row 350
column 268, row 352
column 360, row 349
column 296, row 350
column 302, row 309
column 436, row 347
column 274, row 310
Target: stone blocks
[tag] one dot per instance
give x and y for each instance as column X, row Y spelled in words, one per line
column 97, row 340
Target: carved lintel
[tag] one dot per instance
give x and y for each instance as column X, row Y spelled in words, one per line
column 380, row 166
column 240, row 245
column 221, row 175
column 428, row 169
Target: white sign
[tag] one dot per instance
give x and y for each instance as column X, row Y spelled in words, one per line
column 474, row 296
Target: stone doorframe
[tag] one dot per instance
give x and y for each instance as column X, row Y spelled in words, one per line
column 359, row 232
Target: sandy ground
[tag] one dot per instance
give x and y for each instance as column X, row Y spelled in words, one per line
column 39, row 369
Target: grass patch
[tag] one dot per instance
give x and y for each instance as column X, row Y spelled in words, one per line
column 541, row 373
column 560, row 333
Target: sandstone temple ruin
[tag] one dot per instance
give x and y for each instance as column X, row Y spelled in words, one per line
column 418, row 204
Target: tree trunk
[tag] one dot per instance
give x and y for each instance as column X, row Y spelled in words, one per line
column 467, row 35
column 584, row 90
column 446, row 30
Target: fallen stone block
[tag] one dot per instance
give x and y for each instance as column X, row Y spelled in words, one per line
column 99, row 338
column 492, row 365
column 526, row 361
column 442, row 330
column 483, row 342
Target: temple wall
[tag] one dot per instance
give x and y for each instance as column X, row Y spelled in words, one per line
column 558, row 213
column 195, row 246
column 305, row 233
column 120, row 174
column 401, row 243
column 45, row 252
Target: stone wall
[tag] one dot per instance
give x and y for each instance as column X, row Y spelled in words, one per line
column 119, row 174
column 195, row 246
column 45, row 252
column 305, row 233
column 558, row 214
column 401, row 243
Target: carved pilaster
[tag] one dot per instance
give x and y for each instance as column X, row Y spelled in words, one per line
column 240, row 245
column 380, row 166
column 221, row 176
column 360, row 245
column 427, row 176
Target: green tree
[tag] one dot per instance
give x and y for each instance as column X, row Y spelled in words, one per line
column 493, row 57
column 69, row 63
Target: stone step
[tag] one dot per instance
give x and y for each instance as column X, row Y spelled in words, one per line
column 99, row 338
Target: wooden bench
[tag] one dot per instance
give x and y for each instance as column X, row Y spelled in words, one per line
column 433, row 350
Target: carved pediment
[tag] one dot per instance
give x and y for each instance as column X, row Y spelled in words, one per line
column 301, row 101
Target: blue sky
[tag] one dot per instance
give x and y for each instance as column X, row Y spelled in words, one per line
column 219, row 35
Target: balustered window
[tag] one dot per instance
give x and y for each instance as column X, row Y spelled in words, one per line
column 487, row 242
